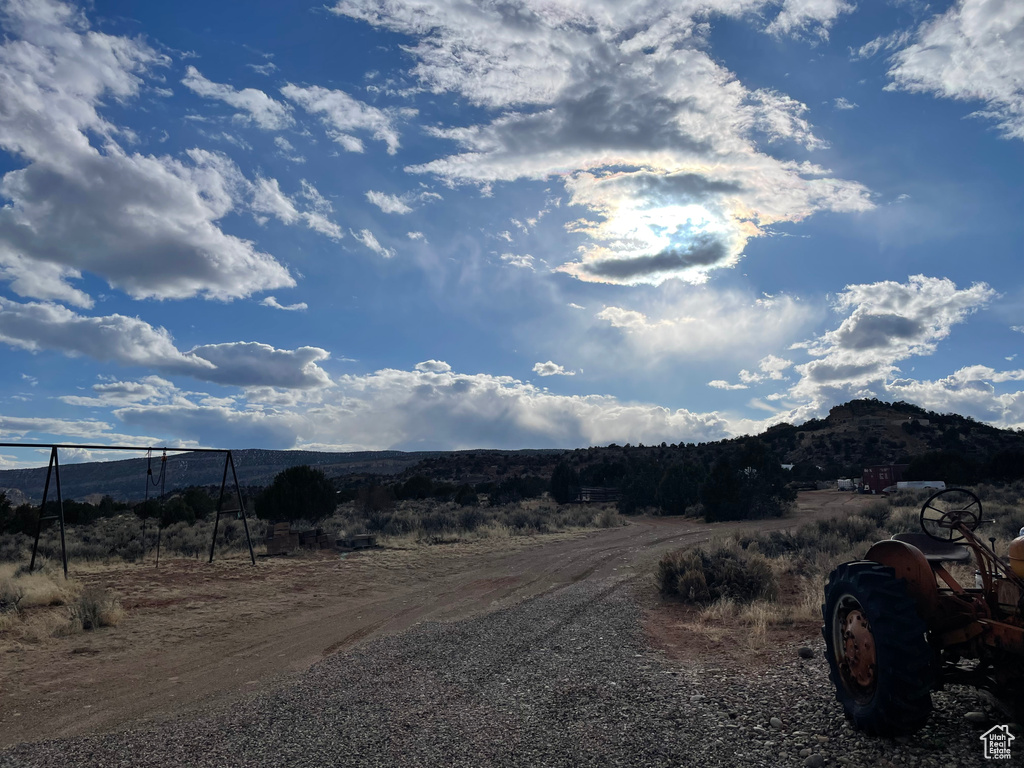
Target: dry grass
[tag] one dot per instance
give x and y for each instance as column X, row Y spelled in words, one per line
column 804, row 558
column 95, row 608
column 608, row 518
column 43, row 587
column 721, row 609
column 40, row 605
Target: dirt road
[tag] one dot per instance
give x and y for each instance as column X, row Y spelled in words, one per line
column 199, row 634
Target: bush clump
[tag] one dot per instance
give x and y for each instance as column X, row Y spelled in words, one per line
column 11, row 595
column 702, row 577
column 95, row 608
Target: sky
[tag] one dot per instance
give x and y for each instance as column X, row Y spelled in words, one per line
column 451, row 224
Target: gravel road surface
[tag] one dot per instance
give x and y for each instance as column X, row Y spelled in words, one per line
column 561, row 679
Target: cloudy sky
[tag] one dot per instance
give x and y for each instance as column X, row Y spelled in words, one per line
column 424, row 224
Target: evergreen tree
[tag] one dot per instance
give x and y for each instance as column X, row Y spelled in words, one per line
column 297, row 493
column 565, row 483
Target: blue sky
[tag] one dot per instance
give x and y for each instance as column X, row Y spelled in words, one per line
column 464, row 223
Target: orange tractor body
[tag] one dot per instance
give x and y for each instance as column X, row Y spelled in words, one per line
column 898, row 625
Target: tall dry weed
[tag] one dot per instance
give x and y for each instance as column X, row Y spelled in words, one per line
column 42, row 587
column 95, row 608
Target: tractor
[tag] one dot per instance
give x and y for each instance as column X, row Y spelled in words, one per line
column 898, row 625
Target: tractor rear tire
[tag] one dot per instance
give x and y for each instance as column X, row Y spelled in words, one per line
column 877, row 650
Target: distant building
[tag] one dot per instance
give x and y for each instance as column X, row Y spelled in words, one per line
column 882, row 476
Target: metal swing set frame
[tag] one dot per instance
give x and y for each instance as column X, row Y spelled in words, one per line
column 53, row 473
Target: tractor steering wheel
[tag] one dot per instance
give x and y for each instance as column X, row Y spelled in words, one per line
column 940, row 517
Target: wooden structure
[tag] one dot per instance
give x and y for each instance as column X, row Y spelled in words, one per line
column 281, row 539
column 359, row 541
column 595, row 495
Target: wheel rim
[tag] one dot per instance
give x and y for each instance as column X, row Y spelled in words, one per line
column 854, row 646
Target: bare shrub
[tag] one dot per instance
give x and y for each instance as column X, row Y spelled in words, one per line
column 608, row 518
column 95, row 608
column 45, row 586
column 700, row 576
column 13, row 547
column 11, row 595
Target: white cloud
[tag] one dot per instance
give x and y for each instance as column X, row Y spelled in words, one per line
column 433, row 366
column 366, row 237
column 113, row 394
column 722, row 384
column 268, row 198
column 802, row 15
column 145, row 224
column 117, row 338
column 974, row 51
column 18, row 427
column 388, row 203
column 773, row 367
column 887, row 322
column 701, row 323
column 267, row 113
column 416, row 236
column 251, row 364
column 264, row 69
column 884, row 324
column 270, row 301
column 658, row 143
column 888, row 42
column 843, row 103
column 433, row 407
column 134, row 342
column 551, row 369
column 770, row 368
column 970, row 390
column 344, row 114
column 40, row 279
column 288, row 151
column 521, row 260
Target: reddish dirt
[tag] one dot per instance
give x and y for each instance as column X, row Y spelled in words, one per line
column 680, row 633
column 198, row 633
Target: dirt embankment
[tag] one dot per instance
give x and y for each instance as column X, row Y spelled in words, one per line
column 198, row 634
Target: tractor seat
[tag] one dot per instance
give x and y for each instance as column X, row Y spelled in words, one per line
column 935, row 551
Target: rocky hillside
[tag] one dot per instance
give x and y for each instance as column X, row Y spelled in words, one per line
column 865, row 432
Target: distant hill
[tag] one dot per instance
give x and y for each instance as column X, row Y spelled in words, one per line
column 866, row 432
column 854, row 435
column 125, row 480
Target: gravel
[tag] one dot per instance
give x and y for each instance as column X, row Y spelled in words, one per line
column 564, row 679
